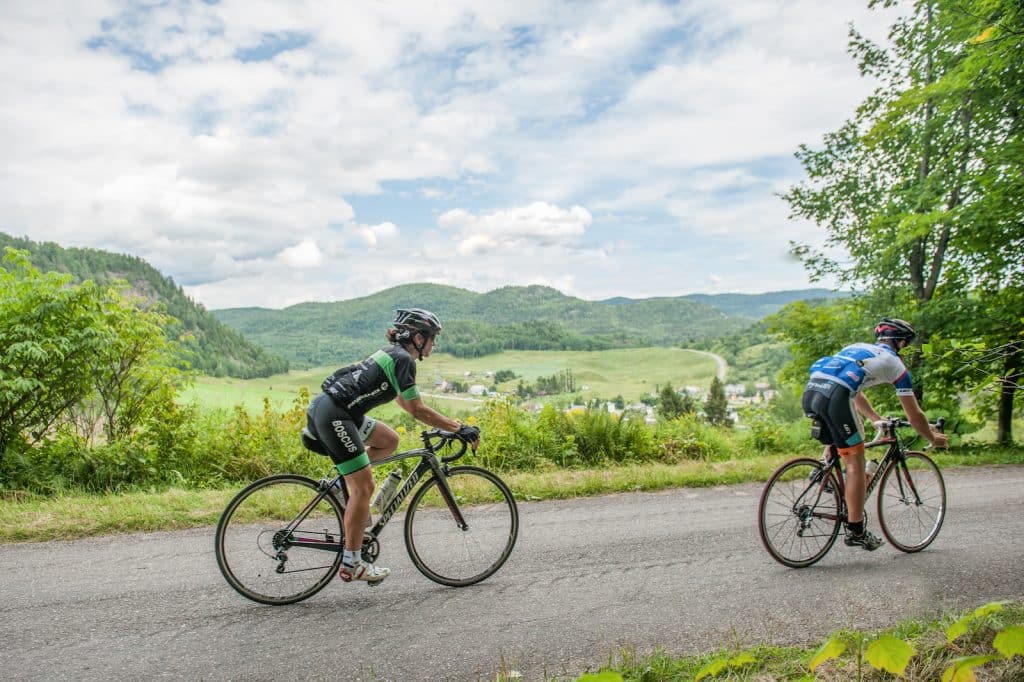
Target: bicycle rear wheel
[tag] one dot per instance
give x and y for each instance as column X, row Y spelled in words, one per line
column 275, row 545
column 799, row 513
column 912, row 502
column 448, row 554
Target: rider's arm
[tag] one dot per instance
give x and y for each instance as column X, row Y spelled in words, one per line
column 422, row 412
column 863, row 406
column 918, row 419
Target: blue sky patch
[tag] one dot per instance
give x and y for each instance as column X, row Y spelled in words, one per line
column 273, row 44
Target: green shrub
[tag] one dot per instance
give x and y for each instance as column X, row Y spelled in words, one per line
column 601, row 437
column 764, row 432
column 691, row 438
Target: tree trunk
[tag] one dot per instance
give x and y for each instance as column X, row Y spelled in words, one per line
column 1008, row 391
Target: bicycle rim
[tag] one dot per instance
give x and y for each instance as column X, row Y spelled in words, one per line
column 448, row 554
column 912, row 502
column 258, row 556
column 798, row 519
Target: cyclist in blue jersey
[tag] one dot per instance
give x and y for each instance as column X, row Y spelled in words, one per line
column 834, row 395
column 337, row 418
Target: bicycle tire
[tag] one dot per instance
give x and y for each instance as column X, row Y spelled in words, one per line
column 912, row 521
column 258, row 561
column 448, row 554
column 799, row 520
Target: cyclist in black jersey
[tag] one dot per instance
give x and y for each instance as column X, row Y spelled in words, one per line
column 337, row 418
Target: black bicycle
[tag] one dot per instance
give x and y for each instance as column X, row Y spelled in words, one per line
column 803, row 505
column 280, row 540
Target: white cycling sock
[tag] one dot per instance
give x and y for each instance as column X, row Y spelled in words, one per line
column 351, row 557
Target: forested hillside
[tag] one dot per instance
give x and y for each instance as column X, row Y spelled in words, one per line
column 509, row 318
column 212, row 347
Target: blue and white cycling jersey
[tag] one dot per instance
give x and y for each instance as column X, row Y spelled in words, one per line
column 862, row 365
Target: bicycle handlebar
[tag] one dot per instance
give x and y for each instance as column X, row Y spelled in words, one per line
column 446, row 437
column 897, row 422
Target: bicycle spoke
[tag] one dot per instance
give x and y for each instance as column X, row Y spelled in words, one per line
column 442, row 550
column 277, row 544
column 798, row 515
column 912, row 502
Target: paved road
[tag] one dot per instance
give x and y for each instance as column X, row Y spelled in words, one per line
column 723, row 366
column 681, row 569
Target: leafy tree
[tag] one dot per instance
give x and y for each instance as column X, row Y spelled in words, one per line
column 716, row 407
column 80, row 355
column 133, row 374
column 49, row 332
column 922, row 187
column 672, row 405
column 503, row 375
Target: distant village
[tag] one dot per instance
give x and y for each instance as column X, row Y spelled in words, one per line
column 738, row 395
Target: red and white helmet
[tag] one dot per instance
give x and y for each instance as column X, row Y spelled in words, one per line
column 894, row 328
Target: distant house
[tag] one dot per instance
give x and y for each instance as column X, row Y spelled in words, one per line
column 735, row 389
column 477, row 389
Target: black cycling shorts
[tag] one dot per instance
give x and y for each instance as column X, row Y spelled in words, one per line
column 832, row 405
column 340, row 433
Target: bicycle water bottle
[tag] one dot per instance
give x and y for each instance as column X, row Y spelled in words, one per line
column 869, row 470
column 386, row 491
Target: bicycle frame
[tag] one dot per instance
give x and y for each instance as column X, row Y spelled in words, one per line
column 429, row 463
column 893, row 457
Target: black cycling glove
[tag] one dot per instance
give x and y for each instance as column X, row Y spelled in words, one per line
column 468, row 433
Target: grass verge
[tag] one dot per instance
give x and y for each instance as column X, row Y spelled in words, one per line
column 929, row 639
column 32, row 518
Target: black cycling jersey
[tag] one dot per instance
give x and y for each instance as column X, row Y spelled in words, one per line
column 360, row 387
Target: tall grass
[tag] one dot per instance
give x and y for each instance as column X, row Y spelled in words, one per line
column 193, row 449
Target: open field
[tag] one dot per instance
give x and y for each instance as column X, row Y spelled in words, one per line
column 631, row 373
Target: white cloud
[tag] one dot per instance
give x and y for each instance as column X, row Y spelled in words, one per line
column 226, row 173
column 537, row 224
column 373, row 236
column 303, row 255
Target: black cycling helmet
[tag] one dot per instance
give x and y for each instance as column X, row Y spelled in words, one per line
column 409, row 322
column 417, row 320
column 894, row 328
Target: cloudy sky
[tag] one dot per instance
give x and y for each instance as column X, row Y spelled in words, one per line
column 267, row 152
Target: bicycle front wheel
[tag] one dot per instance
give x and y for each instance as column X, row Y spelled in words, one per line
column 457, row 555
column 276, row 543
column 800, row 513
column 911, row 502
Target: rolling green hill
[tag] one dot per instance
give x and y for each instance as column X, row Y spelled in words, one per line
column 213, row 348
column 259, row 342
column 509, row 318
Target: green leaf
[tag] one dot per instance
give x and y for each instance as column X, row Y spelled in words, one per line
column 833, row 648
column 985, row 35
column 1010, row 642
column 603, row 676
column 889, row 654
column 712, row 669
column 989, row 609
column 962, row 669
column 958, row 628
column 963, row 625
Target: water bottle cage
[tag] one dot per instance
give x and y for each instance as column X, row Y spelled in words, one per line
column 820, row 432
